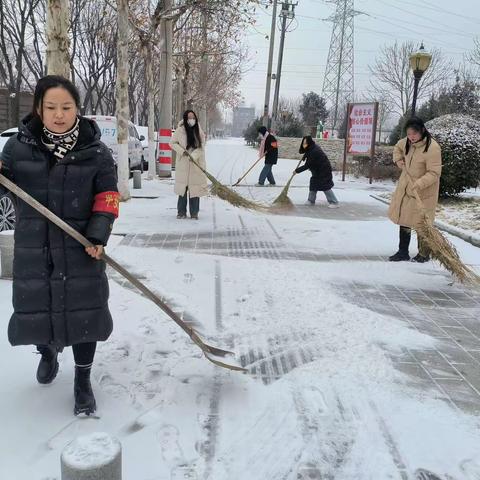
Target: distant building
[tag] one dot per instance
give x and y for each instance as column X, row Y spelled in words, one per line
column 242, row 118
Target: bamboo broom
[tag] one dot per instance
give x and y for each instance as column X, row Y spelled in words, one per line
column 282, row 201
column 226, row 193
column 440, row 248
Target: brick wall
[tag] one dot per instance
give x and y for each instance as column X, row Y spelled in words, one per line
column 288, row 148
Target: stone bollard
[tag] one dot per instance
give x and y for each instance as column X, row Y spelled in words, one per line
column 6, row 253
column 96, row 456
column 137, row 179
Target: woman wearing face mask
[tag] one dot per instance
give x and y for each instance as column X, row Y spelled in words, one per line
column 60, row 290
column 322, row 179
column 190, row 181
column 420, row 158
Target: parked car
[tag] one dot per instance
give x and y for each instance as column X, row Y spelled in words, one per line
column 4, row 136
column 143, row 132
column 7, row 202
column 108, row 130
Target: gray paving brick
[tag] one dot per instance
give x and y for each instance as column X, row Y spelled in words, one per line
column 462, row 395
column 463, row 337
column 456, row 354
column 435, row 364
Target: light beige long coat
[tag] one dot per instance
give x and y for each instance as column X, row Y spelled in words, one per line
column 425, row 169
column 187, row 174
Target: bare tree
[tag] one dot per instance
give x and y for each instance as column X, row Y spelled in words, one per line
column 218, row 47
column 94, row 29
column 393, row 80
column 15, row 35
column 474, row 56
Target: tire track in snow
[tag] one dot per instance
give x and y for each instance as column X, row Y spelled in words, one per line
column 212, row 423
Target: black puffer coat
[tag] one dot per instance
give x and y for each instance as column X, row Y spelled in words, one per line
column 60, row 293
column 318, row 163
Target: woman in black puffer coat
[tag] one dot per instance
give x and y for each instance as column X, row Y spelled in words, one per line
column 60, row 289
column 322, row 179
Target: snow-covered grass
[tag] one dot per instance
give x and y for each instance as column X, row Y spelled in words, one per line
column 346, row 413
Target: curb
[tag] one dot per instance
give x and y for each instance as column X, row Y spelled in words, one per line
column 455, row 231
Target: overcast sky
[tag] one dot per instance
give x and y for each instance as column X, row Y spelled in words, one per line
column 450, row 26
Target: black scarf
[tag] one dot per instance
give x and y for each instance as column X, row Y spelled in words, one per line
column 61, row 143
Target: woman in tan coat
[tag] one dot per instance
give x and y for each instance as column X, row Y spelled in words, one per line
column 420, row 158
column 190, row 181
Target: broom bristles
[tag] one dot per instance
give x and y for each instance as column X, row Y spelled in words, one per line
column 225, row 193
column 282, row 200
column 231, row 196
column 445, row 253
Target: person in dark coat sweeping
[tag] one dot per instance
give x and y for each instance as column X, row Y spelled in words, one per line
column 60, row 289
column 269, row 148
column 322, row 179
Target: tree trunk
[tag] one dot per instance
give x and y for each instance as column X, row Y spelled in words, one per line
column 165, row 123
column 152, row 161
column 122, row 110
column 58, row 42
column 203, row 71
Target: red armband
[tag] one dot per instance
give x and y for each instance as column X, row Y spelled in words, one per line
column 274, row 145
column 106, row 202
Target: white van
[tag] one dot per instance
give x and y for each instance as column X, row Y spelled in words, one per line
column 108, row 130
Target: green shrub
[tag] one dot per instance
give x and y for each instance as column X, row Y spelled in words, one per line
column 459, row 138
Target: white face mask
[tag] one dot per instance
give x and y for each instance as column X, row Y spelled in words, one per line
column 191, row 122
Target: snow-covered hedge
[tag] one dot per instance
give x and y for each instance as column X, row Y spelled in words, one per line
column 459, row 137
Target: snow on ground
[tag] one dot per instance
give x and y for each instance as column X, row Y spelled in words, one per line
column 346, row 413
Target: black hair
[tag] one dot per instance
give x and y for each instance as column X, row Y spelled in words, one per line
column 48, row 82
column 417, row 124
column 310, row 143
column 193, row 133
column 262, row 130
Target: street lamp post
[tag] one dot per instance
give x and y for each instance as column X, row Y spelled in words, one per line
column 419, row 63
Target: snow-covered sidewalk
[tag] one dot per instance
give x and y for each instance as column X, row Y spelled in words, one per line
column 358, row 368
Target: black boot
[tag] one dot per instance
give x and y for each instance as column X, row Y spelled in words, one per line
column 402, row 254
column 48, row 367
column 420, row 258
column 84, row 398
column 399, row 257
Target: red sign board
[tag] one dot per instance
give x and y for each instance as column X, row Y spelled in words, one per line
column 361, row 128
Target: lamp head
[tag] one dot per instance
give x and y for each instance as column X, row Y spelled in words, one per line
column 420, row 61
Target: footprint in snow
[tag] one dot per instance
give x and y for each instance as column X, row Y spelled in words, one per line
column 422, row 474
column 183, row 473
column 168, row 438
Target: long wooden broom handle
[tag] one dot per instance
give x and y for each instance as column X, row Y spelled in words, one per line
column 86, row 243
column 248, row 171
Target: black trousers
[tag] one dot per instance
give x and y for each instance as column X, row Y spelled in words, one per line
column 83, row 353
column 405, row 236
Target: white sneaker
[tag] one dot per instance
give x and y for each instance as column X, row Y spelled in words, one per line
column 333, row 205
